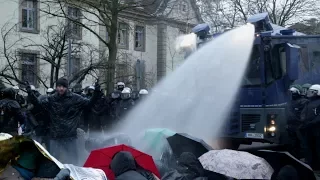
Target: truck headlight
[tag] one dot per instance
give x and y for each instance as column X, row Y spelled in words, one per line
column 272, row 129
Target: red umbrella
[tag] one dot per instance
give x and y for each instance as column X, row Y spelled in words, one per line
column 101, row 159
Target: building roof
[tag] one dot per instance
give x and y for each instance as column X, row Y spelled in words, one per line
column 158, row 7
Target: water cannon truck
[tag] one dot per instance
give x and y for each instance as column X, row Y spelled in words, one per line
column 280, row 57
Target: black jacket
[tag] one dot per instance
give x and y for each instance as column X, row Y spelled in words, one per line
column 294, row 110
column 310, row 115
column 10, row 115
column 125, row 106
column 98, row 113
column 64, row 111
column 124, row 167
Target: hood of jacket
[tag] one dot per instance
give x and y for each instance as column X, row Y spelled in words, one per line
column 122, row 162
column 189, row 164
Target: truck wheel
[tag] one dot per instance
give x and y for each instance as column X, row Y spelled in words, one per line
column 229, row 144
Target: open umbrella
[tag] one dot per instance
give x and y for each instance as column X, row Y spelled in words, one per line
column 156, row 135
column 101, row 159
column 236, row 164
column 154, row 141
column 279, row 159
column 181, row 142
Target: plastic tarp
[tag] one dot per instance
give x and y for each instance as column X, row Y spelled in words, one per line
column 10, row 149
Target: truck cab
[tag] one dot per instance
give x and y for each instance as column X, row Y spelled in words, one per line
column 280, row 57
column 278, row 60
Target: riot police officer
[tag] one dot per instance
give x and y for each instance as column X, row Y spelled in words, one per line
column 305, row 89
column 126, row 102
column 310, row 128
column 294, row 109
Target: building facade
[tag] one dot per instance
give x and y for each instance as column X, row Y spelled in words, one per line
column 35, row 44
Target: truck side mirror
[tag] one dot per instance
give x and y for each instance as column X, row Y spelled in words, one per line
column 293, row 57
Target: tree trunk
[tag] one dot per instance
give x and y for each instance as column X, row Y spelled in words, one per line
column 112, row 53
column 56, row 76
column 51, row 75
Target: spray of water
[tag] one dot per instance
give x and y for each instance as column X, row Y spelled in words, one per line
column 196, row 97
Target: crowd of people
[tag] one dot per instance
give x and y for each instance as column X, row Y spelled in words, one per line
column 54, row 118
column 303, row 122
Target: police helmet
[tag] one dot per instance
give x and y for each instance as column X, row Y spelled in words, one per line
column 120, row 86
column 314, row 90
column 50, row 90
column 295, row 89
column 126, row 93
column 91, row 88
column 144, row 92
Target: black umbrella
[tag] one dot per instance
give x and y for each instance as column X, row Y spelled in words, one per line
column 279, row 159
column 181, row 142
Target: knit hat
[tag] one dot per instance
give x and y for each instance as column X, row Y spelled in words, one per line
column 62, row 82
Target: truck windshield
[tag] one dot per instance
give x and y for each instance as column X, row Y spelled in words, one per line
column 252, row 76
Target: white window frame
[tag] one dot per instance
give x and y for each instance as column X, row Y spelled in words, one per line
column 35, row 63
column 32, row 15
column 72, row 25
column 123, row 36
column 142, row 41
column 74, row 59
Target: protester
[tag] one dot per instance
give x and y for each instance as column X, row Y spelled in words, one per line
column 64, row 108
column 124, row 167
column 10, row 113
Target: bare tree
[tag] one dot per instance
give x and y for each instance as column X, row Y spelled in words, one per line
column 281, row 12
column 106, row 13
column 310, row 26
column 52, row 51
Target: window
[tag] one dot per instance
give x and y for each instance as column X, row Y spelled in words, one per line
column 74, row 29
column 123, row 35
column 276, row 65
column 252, row 76
column 139, row 39
column 29, row 15
column 29, row 68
